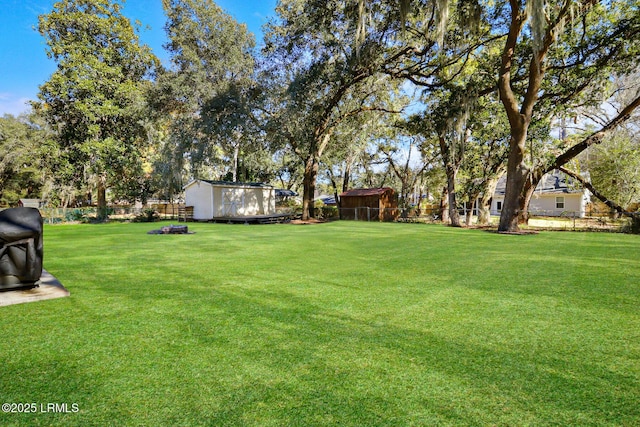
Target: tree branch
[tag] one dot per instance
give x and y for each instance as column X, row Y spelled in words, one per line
column 595, row 137
column 596, row 193
column 504, row 81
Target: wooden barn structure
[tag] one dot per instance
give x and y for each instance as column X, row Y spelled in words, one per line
column 369, row 204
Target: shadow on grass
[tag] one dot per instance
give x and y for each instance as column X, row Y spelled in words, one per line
column 324, row 366
column 156, row 338
column 254, row 357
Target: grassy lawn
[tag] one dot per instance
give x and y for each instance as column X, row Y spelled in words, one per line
column 345, row 323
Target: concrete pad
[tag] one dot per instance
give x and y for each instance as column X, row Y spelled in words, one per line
column 49, row 288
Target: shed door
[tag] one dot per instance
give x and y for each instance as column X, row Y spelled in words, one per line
column 232, row 201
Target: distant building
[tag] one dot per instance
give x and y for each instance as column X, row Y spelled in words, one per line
column 284, row 195
column 556, row 194
column 369, row 204
column 327, row 200
column 220, row 199
column 31, row 203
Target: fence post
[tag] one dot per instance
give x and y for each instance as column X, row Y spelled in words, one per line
column 368, row 214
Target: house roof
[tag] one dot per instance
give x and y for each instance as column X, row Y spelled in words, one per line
column 364, row 192
column 327, row 200
column 281, row 192
column 554, row 182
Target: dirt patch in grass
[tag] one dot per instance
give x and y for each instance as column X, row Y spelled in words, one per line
column 307, row 221
column 515, row 233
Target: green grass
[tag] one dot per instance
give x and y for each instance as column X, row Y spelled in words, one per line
column 344, row 323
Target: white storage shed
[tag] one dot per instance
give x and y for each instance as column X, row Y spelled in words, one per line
column 220, row 199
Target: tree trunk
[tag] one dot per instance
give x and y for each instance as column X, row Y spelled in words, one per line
column 525, row 199
column 311, row 166
column 102, row 200
column 454, row 215
column 484, row 207
column 336, row 196
column 484, row 211
column 473, row 200
column 347, row 176
column 519, row 118
column 444, row 205
column 236, row 152
column 451, row 170
column 517, row 175
column 527, row 192
column 309, row 187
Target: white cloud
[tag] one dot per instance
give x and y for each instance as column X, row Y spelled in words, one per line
column 10, row 104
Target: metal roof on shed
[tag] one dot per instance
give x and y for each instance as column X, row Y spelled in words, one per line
column 230, row 184
column 364, row 192
column 239, row 184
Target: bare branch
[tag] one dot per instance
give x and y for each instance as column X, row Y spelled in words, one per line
column 596, row 193
column 595, row 137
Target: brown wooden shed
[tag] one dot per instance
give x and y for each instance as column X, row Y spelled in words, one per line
column 369, row 204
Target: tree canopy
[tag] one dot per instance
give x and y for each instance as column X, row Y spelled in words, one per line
column 93, row 101
column 327, row 96
column 22, row 153
column 203, row 92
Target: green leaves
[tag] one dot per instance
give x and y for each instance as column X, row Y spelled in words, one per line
column 21, row 159
column 212, row 63
column 92, row 100
column 614, row 167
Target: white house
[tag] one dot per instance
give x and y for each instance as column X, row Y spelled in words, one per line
column 555, row 195
column 220, row 199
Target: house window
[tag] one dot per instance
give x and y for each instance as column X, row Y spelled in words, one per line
column 499, row 206
column 559, row 202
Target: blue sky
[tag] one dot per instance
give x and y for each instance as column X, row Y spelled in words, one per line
column 23, row 60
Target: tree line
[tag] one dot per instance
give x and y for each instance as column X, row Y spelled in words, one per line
column 439, row 98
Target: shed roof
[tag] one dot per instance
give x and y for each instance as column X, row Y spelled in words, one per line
column 231, row 184
column 364, row 192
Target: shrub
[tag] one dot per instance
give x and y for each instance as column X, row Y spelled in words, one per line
column 76, row 215
column 328, row 212
column 633, row 226
column 147, row 215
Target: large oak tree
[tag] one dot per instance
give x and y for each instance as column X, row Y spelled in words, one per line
column 566, row 53
column 204, row 94
column 322, row 77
